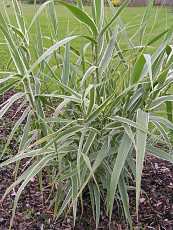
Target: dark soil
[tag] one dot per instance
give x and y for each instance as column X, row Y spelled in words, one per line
column 33, row 212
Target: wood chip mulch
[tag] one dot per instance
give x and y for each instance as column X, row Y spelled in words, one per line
column 33, row 213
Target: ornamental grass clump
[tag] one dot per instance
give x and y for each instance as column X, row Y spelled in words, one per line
column 92, row 131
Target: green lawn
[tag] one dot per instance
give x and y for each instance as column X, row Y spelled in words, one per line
column 159, row 20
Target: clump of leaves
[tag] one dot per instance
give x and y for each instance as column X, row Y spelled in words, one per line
column 93, row 131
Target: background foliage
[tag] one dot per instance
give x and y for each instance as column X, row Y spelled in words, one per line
column 91, row 131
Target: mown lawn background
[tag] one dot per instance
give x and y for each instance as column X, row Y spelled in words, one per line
column 160, row 19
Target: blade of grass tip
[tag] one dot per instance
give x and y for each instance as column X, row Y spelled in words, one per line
column 81, row 16
column 53, row 19
column 156, row 14
column 20, row 19
column 144, row 20
column 37, row 14
column 141, row 138
column 123, row 5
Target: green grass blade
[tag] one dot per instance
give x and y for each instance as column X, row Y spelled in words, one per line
column 123, row 5
column 10, row 102
column 138, row 68
column 97, row 205
column 141, row 138
column 93, row 115
column 87, row 74
column 15, row 128
column 66, row 66
column 81, row 16
column 160, row 100
column 89, row 141
column 25, row 135
column 51, row 50
column 123, row 152
column 107, row 56
column 169, row 109
column 20, row 19
column 122, row 187
column 163, row 121
column 157, row 152
column 92, row 99
column 74, row 182
column 39, row 11
column 98, row 8
column 149, row 66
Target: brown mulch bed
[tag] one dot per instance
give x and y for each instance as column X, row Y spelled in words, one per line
column 33, row 213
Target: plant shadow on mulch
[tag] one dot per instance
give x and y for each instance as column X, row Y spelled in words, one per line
column 33, row 213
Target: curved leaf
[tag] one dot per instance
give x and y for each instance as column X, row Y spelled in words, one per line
column 81, row 16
